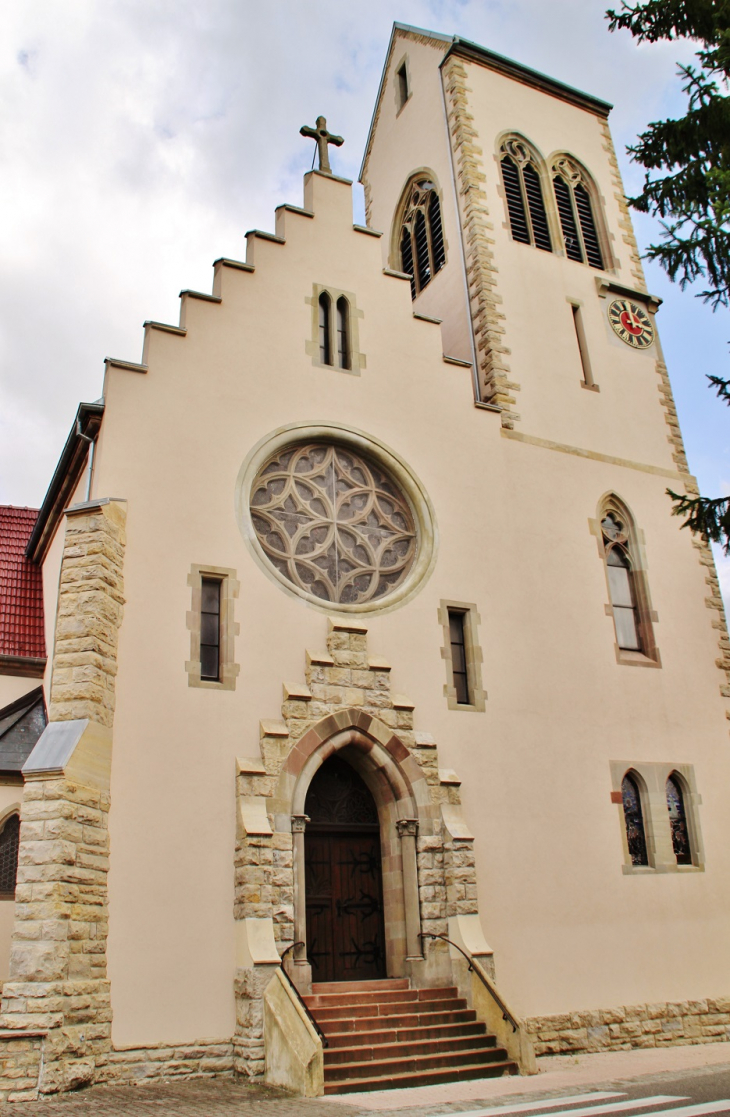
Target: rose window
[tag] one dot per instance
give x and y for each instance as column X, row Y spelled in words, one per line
column 333, row 523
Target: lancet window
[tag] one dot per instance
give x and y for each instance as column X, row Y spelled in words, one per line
column 9, row 846
column 627, row 587
column 634, row 820
column 678, row 821
column 422, row 247
column 325, row 329
column 575, row 202
column 334, row 328
column 523, row 191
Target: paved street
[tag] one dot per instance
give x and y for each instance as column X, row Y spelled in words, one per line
column 683, row 1082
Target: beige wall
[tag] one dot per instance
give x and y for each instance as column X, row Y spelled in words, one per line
column 570, row 930
column 402, row 148
column 13, row 687
column 10, row 797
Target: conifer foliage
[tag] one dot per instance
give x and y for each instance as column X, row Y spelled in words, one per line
column 687, row 182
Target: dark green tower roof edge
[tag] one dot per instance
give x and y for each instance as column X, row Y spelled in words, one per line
column 464, row 48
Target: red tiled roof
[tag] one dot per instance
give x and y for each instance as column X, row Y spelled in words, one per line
column 21, row 587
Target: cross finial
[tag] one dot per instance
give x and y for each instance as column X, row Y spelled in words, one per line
column 323, row 138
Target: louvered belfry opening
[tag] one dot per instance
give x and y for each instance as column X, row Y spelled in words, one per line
column 525, row 201
column 422, row 247
column 575, row 207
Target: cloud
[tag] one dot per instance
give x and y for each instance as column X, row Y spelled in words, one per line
column 140, row 141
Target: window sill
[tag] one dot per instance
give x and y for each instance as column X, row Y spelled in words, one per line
column 659, row 870
column 626, row 658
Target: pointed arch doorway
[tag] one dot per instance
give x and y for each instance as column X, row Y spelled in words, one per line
column 343, row 874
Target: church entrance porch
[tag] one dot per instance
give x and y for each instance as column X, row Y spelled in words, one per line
column 343, row 878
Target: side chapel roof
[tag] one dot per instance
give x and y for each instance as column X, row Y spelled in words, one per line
column 21, row 724
column 22, row 632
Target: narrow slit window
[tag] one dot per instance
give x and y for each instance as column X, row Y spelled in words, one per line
column 9, row 846
column 634, row 821
column 678, row 821
column 325, row 339
column 343, row 329
column 210, row 629
column 458, row 656
column 580, row 336
column 403, row 90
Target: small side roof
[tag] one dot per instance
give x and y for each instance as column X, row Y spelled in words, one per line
column 22, row 632
column 21, row 725
column 464, row 48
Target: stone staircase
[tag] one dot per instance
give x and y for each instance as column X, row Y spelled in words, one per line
column 384, row 1035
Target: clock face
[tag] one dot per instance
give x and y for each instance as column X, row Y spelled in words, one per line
column 631, row 322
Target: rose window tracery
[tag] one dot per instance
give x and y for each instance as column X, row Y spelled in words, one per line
column 333, row 523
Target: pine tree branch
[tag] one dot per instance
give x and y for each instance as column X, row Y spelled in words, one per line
column 722, row 387
column 707, row 517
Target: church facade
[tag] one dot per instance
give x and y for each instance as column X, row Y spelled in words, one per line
column 367, row 640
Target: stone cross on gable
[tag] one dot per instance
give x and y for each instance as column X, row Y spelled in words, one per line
column 323, row 138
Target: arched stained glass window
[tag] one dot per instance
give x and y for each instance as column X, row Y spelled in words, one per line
column 678, row 821
column 9, row 845
column 343, row 332
column 325, row 337
column 575, row 207
column 634, row 820
column 523, row 190
column 620, row 582
column 422, row 237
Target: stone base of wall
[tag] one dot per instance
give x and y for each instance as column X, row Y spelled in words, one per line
column 19, row 1067
column 620, row 1029
column 203, row 1058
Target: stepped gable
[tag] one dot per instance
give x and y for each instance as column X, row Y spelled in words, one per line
column 21, row 587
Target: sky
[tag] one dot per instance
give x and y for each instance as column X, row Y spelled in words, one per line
column 140, row 140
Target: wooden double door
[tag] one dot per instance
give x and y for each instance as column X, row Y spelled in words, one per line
column 344, row 897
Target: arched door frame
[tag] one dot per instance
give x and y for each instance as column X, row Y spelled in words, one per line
column 401, row 793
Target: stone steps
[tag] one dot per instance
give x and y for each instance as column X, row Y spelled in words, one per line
column 385, row 1035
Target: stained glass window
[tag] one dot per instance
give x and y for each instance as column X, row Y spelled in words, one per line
column 325, row 339
column 334, row 523
column 458, row 656
column 634, row 821
column 343, row 327
column 678, row 822
column 620, row 583
column 9, row 844
column 210, row 629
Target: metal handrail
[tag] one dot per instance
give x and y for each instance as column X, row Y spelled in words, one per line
column 299, row 996
column 506, row 1014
